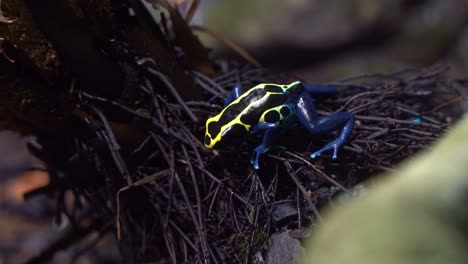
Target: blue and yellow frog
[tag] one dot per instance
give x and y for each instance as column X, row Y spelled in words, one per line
column 267, row 108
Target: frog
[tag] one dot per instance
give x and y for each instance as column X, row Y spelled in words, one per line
column 267, row 109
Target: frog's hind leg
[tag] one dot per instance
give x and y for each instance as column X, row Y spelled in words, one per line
column 343, row 120
column 235, row 93
column 270, row 132
column 315, row 89
column 307, row 116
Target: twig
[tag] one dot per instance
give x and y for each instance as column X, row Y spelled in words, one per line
column 114, row 146
column 145, row 180
column 321, row 173
column 303, row 191
column 174, row 92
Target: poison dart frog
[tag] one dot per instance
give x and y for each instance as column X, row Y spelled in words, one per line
column 267, row 108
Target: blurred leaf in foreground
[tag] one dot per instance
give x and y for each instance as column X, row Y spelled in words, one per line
column 417, row 215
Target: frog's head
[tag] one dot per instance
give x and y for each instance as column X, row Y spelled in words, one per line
column 295, row 88
column 212, row 133
column 218, row 134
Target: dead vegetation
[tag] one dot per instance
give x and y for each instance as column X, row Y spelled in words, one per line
column 135, row 165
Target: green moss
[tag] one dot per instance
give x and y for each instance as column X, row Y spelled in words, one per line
column 242, row 245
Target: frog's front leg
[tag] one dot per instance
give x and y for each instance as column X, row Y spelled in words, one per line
column 270, row 131
column 307, row 116
column 235, row 93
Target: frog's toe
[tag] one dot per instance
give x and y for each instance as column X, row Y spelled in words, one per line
column 335, row 152
column 254, row 162
column 326, row 148
column 315, row 154
column 255, row 165
column 258, row 151
column 320, row 151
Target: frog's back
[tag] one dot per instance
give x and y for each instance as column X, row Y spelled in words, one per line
column 238, row 118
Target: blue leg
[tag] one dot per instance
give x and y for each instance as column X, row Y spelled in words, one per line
column 314, row 89
column 271, row 131
column 307, row 116
column 235, row 93
column 260, row 128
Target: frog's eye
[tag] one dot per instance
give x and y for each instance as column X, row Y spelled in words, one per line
column 207, row 140
column 285, row 111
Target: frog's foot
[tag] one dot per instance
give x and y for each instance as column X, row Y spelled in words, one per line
column 234, row 94
column 258, row 151
column 335, row 145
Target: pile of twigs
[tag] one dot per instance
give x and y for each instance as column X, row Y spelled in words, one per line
column 124, row 150
column 170, row 198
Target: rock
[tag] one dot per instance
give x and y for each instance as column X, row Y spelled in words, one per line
column 283, row 214
column 283, row 249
